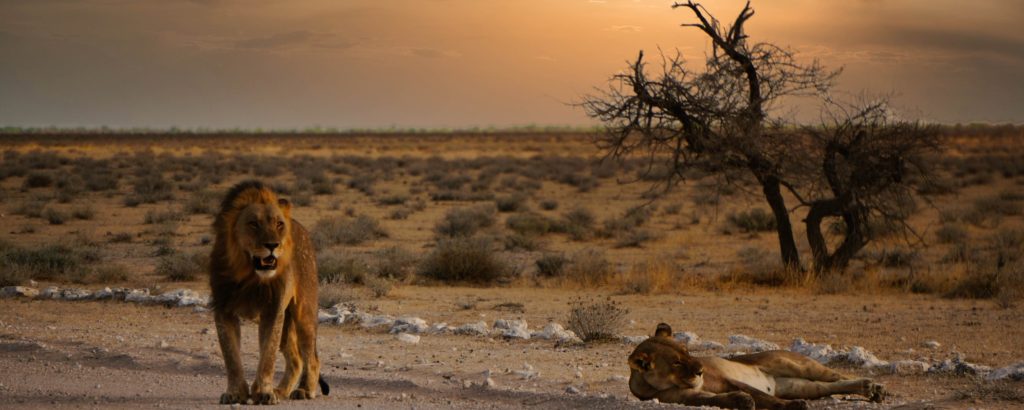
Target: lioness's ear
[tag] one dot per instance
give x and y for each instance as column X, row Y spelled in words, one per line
column 285, row 205
column 640, row 361
column 663, row 330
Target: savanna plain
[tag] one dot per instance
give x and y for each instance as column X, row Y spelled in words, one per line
column 463, row 228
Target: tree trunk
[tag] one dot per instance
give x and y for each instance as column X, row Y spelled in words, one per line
column 787, row 245
column 853, row 241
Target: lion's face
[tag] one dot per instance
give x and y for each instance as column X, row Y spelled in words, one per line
column 262, row 230
column 664, row 364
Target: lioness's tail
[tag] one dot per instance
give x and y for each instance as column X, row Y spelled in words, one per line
column 324, row 387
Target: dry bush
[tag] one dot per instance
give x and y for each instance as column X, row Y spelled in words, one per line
column 465, row 222
column 201, row 202
column 510, row 203
column 522, row 242
column 551, row 265
column 55, row 216
column 182, row 267
column 549, row 204
column 149, row 187
column 529, row 223
column 465, row 260
column 67, row 261
column 761, row 268
column 649, row 277
column 334, row 269
column 752, row 221
column 578, row 223
column 347, row 231
column 331, row 294
column 394, row 263
column 86, row 212
column 589, row 268
column 390, row 200
column 635, row 238
column 154, row 216
column 37, row 180
column 951, row 233
column 596, row 321
column 31, row 208
column 379, row 286
column 110, row 273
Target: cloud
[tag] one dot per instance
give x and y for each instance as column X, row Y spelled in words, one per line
column 426, row 52
column 276, row 40
column 625, row 28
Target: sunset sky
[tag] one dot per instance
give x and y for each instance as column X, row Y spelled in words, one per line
column 462, row 63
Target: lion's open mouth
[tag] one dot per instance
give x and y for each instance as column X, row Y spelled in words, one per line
column 264, row 264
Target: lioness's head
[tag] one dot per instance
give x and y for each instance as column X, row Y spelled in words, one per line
column 664, row 363
column 258, row 229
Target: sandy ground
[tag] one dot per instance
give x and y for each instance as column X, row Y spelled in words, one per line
column 113, row 354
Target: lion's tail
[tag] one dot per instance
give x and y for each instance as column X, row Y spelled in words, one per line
column 324, row 387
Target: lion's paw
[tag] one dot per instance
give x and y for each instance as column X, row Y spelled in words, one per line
column 261, row 396
column 234, row 397
column 741, row 401
column 796, row 405
column 302, row 394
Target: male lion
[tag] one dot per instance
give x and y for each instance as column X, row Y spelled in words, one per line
column 661, row 368
column 263, row 265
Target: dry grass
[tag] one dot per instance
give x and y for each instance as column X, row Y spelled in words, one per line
column 596, row 321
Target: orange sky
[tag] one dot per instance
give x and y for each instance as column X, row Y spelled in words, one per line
column 460, row 63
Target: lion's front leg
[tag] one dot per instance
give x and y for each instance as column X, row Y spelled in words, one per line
column 229, row 334
column 690, row 397
column 271, row 323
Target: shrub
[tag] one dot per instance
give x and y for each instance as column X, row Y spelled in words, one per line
column 201, row 202
column 347, row 231
column 528, row 223
column 754, row 220
column 549, row 205
column 150, row 188
column 394, row 263
column 111, row 273
column 551, row 265
column 589, row 267
column 332, row 269
column 951, row 233
column 634, row 238
column 54, row 216
column 84, row 212
column 461, row 259
column 578, row 223
column 511, row 203
column 158, row 217
column 516, row 241
column 332, row 294
column 182, row 267
column 397, row 199
column 464, row 222
column 38, row 180
column 32, row 208
column 48, row 262
column 646, row 278
column 379, row 286
column 363, row 183
column 596, row 321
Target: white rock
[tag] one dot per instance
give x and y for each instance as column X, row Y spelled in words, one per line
column 488, row 381
column 473, row 329
column 555, row 331
column 323, row 316
column 617, row 378
column 748, row 344
column 372, row 321
column 686, row 338
column 23, row 291
column 162, row 344
column 138, row 296
column 957, row 365
column 408, row 338
column 512, row 329
column 1012, row 372
column 908, row 367
column 439, row 328
column 51, row 292
column 633, row 340
column 931, row 344
column 528, row 373
column 103, row 294
column 823, row 353
column 709, row 345
column 409, row 324
column 572, row 390
column 181, row 298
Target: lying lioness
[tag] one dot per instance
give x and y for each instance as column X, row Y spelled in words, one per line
column 661, row 368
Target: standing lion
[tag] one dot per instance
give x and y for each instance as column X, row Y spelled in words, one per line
column 263, row 265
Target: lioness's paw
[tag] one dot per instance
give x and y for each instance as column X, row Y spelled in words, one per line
column 741, row 401
column 796, row 405
column 302, row 394
column 234, row 397
column 876, row 392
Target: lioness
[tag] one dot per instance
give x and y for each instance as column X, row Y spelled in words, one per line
column 262, row 265
column 661, row 368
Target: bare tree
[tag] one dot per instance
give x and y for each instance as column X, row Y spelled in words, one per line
column 715, row 120
column 860, row 164
column 870, row 165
